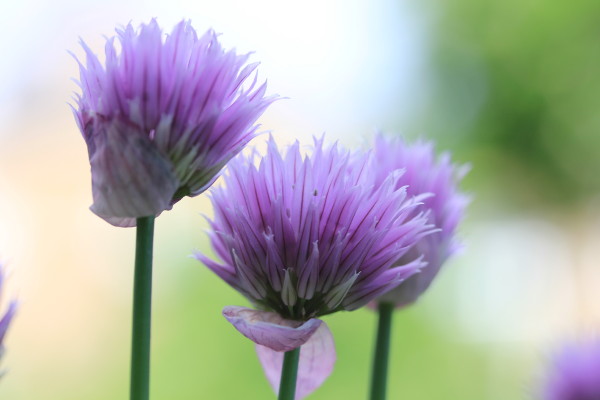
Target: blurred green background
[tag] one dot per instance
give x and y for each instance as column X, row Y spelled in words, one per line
column 508, row 86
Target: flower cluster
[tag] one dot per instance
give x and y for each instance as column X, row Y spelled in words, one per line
column 300, row 236
column 162, row 117
column 423, row 172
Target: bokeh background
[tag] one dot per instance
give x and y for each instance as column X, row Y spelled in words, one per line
column 510, row 86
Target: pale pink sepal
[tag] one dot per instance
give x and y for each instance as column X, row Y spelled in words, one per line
column 317, row 357
column 269, row 329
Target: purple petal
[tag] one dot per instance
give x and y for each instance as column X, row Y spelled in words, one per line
column 317, row 357
column 269, row 329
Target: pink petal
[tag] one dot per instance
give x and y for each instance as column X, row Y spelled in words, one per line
column 270, row 329
column 317, row 357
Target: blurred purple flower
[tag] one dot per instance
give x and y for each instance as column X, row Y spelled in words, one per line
column 574, row 373
column 305, row 237
column 162, row 117
column 424, row 173
column 8, row 315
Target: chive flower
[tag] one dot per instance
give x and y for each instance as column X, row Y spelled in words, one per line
column 162, row 116
column 8, row 315
column 574, row 373
column 303, row 237
column 424, row 173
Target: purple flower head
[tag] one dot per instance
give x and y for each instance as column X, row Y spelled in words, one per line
column 574, row 373
column 303, row 237
column 162, row 117
column 424, row 173
column 8, row 315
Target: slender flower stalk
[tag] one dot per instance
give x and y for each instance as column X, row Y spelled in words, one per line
column 142, row 310
column 160, row 119
column 382, row 352
column 302, row 237
column 423, row 173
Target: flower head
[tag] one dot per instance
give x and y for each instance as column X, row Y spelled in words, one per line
column 424, row 173
column 574, row 373
column 305, row 237
column 8, row 315
column 162, row 117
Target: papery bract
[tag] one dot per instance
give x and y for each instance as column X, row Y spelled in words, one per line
column 270, row 329
column 317, row 358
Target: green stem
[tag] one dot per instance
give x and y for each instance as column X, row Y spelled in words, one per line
column 142, row 306
column 382, row 352
column 289, row 372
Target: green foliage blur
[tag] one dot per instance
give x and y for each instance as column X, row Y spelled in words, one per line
column 517, row 91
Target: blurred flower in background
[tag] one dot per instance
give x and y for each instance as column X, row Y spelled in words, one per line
column 423, row 173
column 574, row 373
column 6, row 316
